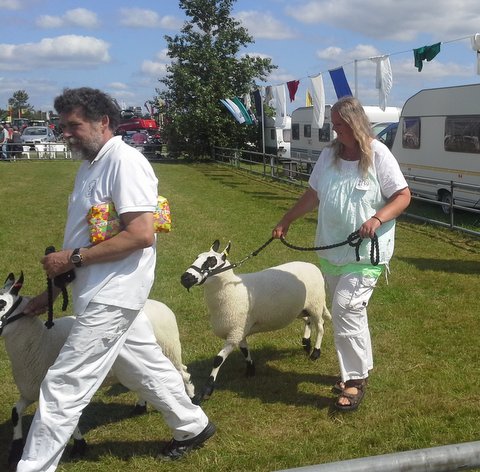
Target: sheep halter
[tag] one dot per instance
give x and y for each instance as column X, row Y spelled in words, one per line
column 8, row 317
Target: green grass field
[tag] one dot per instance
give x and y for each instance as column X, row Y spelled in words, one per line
column 423, row 392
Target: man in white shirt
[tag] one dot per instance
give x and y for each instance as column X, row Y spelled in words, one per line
column 113, row 280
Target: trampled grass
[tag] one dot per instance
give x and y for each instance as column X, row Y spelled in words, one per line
column 423, row 392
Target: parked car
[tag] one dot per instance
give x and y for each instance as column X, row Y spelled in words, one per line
column 387, row 135
column 32, row 135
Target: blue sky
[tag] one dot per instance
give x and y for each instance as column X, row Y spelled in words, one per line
column 119, row 45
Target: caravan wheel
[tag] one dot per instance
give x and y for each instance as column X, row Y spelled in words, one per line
column 447, row 200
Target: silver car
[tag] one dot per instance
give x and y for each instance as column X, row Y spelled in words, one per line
column 38, row 134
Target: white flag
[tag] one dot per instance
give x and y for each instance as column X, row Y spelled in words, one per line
column 318, row 100
column 383, row 79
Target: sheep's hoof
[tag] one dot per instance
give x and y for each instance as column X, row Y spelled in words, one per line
column 250, row 369
column 79, row 448
column 315, row 354
column 138, row 410
column 15, row 453
column 307, row 345
column 206, row 393
column 197, row 399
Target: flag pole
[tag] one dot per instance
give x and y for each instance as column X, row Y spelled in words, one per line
column 263, row 123
column 355, row 71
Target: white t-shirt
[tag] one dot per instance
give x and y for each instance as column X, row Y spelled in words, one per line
column 347, row 200
column 119, row 174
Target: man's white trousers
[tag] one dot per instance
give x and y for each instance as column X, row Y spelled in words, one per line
column 99, row 337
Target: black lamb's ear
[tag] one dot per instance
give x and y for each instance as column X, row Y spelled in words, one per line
column 215, row 245
column 9, row 281
column 17, row 285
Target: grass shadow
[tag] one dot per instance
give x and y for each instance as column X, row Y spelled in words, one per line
column 271, row 384
column 444, row 265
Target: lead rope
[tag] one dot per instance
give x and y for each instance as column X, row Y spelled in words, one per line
column 353, row 240
column 61, row 282
column 49, row 323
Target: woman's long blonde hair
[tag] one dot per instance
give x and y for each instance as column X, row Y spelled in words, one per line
column 351, row 111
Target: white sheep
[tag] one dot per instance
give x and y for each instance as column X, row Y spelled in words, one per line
column 32, row 349
column 241, row 305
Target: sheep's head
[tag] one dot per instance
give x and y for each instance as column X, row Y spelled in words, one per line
column 205, row 265
column 8, row 298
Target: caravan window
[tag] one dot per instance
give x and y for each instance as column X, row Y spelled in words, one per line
column 307, row 131
column 273, row 136
column 286, row 135
column 295, row 131
column 462, row 134
column 411, row 133
column 324, row 133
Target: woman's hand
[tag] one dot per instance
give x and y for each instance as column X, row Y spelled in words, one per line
column 368, row 229
column 280, row 230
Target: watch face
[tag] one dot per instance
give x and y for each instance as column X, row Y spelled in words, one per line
column 76, row 258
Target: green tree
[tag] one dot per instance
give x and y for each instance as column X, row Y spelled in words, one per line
column 19, row 105
column 206, row 67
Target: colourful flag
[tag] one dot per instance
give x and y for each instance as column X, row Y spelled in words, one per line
column 425, row 53
column 308, row 99
column 292, row 89
column 342, row 89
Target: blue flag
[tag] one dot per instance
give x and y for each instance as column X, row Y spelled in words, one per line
column 342, row 89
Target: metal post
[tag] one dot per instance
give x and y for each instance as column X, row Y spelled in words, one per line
column 451, row 458
column 355, row 71
column 263, row 124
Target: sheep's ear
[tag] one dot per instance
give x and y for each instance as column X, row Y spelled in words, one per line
column 9, row 281
column 17, row 285
column 226, row 250
column 215, row 245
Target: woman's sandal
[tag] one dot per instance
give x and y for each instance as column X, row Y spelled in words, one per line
column 338, row 387
column 354, row 399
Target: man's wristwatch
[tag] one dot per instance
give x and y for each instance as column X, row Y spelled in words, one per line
column 76, row 258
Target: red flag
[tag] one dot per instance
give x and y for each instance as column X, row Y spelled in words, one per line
column 292, row 89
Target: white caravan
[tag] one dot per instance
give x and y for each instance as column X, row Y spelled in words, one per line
column 277, row 140
column 308, row 140
column 438, row 138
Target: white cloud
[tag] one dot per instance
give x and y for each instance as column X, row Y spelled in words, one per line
column 68, row 51
column 80, row 17
column 264, row 25
column 391, row 19
column 335, row 54
column 142, row 18
column 118, row 85
column 154, row 69
column 163, row 55
column 256, row 54
column 49, row 22
column 10, row 5
column 280, row 76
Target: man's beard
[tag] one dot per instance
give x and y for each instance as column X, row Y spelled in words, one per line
column 86, row 149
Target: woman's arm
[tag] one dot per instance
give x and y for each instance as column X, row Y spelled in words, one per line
column 394, row 207
column 306, row 203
